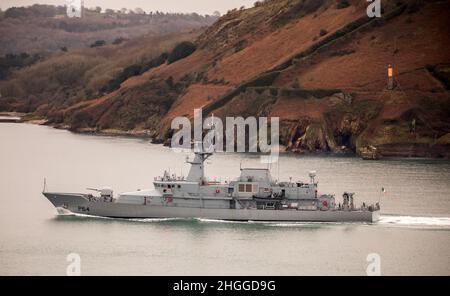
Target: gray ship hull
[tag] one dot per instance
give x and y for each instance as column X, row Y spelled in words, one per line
column 78, row 203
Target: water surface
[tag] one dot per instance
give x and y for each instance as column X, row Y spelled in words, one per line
column 411, row 238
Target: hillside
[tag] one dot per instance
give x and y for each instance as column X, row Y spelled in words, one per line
column 317, row 64
column 44, row 29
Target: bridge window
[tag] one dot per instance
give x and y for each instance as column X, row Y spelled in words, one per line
column 248, row 188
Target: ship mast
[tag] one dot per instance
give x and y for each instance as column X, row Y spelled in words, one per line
column 197, row 172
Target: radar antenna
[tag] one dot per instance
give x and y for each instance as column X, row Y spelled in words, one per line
column 312, row 176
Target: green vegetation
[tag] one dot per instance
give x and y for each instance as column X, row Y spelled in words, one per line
column 133, row 70
column 182, row 50
column 98, row 43
column 266, row 79
column 81, row 119
column 15, row 61
column 153, row 63
column 323, row 32
column 240, row 45
column 67, row 78
column 43, row 28
column 305, row 93
column 36, row 10
column 143, row 105
column 342, row 4
column 299, row 9
column 170, row 83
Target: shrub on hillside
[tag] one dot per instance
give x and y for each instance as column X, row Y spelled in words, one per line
column 51, row 75
column 323, row 32
column 296, row 11
column 134, row 70
column 36, row 10
column 158, row 61
column 342, row 4
column 98, row 43
column 305, row 93
column 16, row 12
column 15, row 61
column 265, row 79
column 80, row 119
column 118, row 40
column 182, row 50
column 169, row 82
column 126, row 73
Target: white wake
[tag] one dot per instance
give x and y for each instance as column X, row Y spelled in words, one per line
column 385, row 220
column 415, row 221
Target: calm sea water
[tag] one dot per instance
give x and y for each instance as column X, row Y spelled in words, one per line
column 413, row 236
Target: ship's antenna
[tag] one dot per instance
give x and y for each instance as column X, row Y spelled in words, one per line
column 213, row 128
column 45, row 185
column 278, row 165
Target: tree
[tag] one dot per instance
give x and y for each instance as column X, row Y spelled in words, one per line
column 342, row 4
column 118, row 40
column 139, row 10
column 216, row 13
column 43, row 10
column 181, row 51
column 16, row 12
column 98, row 43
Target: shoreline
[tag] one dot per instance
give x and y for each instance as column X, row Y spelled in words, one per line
column 145, row 135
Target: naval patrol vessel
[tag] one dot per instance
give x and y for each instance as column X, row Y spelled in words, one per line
column 253, row 196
